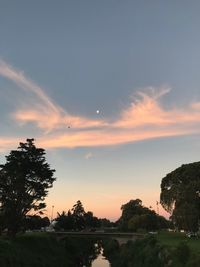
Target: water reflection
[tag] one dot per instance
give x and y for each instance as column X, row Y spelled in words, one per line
column 85, row 252
column 100, row 262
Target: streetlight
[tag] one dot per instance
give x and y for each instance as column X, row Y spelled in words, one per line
column 52, row 213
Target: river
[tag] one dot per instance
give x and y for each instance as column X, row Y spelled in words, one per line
column 100, row 261
column 86, row 252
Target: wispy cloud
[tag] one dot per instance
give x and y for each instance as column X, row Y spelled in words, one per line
column 19, row 78
column 144, row 118
column 44, row 112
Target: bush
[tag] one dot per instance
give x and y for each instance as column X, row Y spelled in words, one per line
column 139, row 253
column 182, row 253
column 32, row 250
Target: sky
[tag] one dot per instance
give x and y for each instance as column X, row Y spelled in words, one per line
column 110, row 89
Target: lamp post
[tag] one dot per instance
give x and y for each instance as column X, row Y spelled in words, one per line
column 52, row 214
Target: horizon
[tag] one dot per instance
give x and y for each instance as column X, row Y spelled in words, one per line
column 110, row 90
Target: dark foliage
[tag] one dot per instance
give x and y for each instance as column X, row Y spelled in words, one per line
column 137, row 217
column 141, row 253
column 182, row 252
column 81, row 251
column 180, row 195
column 24, row 182
column 36, row 222
column 78, row 219
column 31, row 251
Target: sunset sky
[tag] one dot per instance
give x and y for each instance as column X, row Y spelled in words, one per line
column 109, row 88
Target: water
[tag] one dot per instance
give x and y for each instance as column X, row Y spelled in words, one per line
column 85, row 252
column 100, row 262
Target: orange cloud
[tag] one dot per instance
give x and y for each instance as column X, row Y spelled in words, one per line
column 49, row 121
column 144, row 110
column 147, row 111
column 104, row 138
column 144, row 119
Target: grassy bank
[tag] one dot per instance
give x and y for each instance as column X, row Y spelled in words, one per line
column 184, row 251
column 172, row 240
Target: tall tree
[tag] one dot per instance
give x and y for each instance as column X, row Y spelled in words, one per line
column 78, row 209
column 24, row 182
column 180, row 195
column 78, row 213
column 77, row 219
column 133, row 207
column 136, row 216
column 65, row 221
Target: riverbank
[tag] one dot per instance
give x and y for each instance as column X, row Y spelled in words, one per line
column 160, row 250
column 44, row 250
column 173, row 239
column 32, row 250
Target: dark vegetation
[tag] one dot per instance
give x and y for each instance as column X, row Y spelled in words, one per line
column 141, row 253
column 81, row 251
column 24, row 182
column 43, row 250
column 180, row 195
column 154, row 251
column 32, row 250
column 36, row 222
column 78, row 219
column 135, row 217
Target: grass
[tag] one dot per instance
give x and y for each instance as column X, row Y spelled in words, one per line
column 173, row 239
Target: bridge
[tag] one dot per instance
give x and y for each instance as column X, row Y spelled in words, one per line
column 119, row 236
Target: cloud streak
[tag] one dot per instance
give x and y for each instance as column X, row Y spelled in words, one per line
column 19, row 78
column 145, row 118
column 44, row 112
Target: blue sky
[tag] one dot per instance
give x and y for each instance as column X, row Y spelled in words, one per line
column 137, row 62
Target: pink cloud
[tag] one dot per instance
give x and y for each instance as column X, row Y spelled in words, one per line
column 145, row 118
column 43, row 112
column 47, row 120
column 105, row 138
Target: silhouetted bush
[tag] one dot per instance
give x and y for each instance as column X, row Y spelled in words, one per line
column 182, row 253
column 140, row 253
column 31, row 251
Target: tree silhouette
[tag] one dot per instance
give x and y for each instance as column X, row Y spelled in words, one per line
column 180, row 195
column 136, row 216
column 65, row 221
column 24, row 182
column 78, row 213
column 78, row 219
